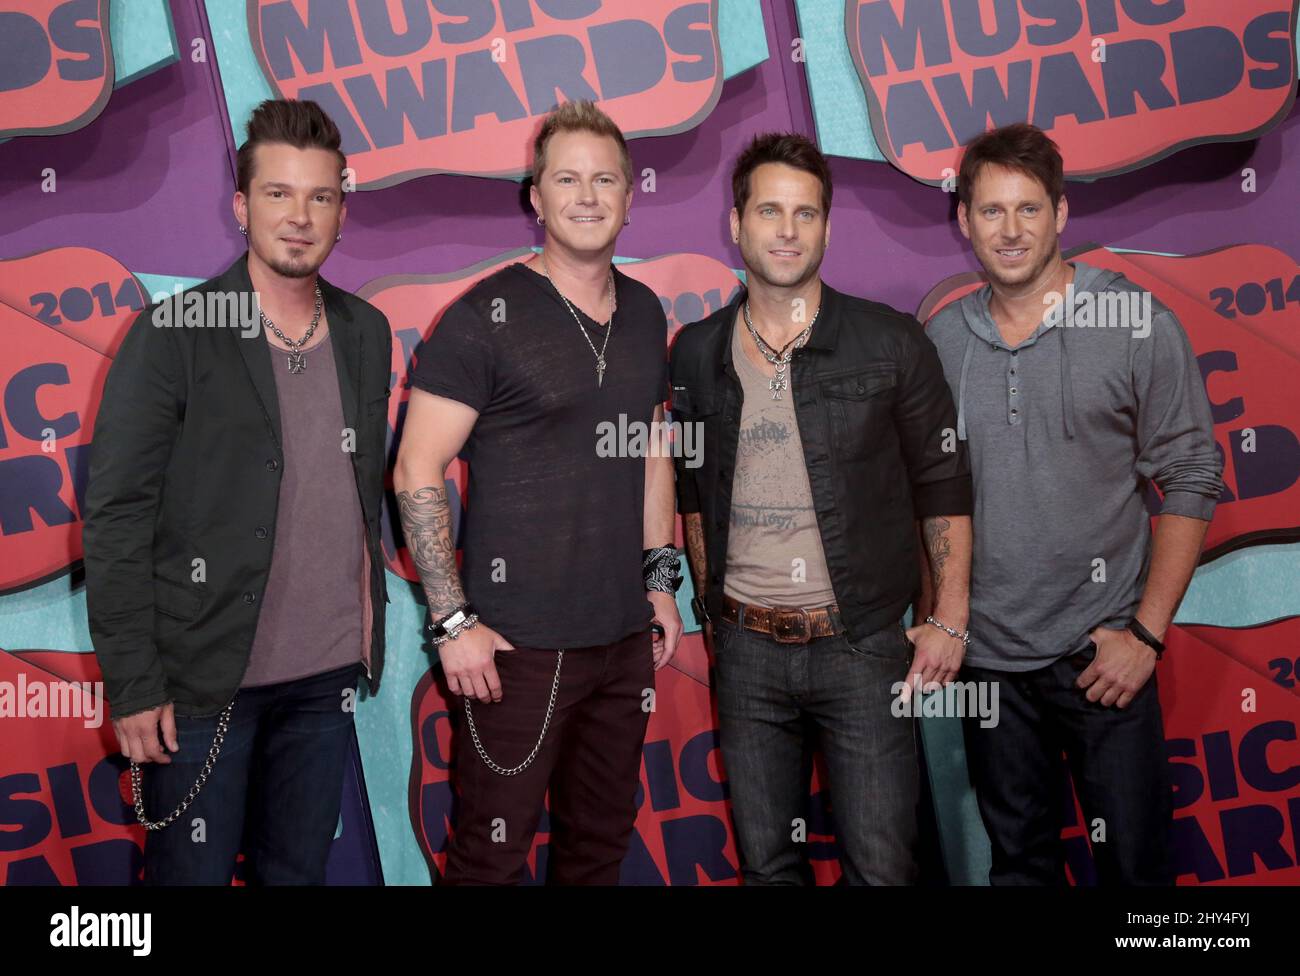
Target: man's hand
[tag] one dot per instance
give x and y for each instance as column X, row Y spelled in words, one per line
column 137, row 735
column 937, row 659
column 1122, row 666
column 667, row 617
column 468, row 662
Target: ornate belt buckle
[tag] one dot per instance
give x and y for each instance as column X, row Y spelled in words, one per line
column 791, row 626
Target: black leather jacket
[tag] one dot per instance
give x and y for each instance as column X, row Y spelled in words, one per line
column 877, row 423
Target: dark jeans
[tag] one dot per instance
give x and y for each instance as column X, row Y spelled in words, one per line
column 768, row 694
column 1116, row 757
column 590, row 759
column 274, row 792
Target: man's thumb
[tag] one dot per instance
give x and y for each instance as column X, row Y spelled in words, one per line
column 168, row 722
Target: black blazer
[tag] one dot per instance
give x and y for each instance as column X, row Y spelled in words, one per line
column 186, row 464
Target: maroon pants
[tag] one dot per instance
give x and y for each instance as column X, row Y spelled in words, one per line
column 590, row 759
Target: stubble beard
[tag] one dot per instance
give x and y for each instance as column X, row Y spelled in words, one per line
column 756, row 265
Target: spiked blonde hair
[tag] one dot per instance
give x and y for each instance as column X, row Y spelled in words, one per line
column 584, row 116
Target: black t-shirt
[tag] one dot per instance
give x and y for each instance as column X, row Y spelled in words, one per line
column 553, row 530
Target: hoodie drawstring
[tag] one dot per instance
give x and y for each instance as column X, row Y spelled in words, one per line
column 1067, row 388
column 961, row 386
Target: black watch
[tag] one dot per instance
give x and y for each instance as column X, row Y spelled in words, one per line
column 701, row 611
column 1146, row 637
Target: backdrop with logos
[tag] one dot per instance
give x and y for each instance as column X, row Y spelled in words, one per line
column 119, row 124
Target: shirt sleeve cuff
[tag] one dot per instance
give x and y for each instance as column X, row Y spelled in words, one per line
column 688, row 502
column 451, row 393
column 1188, row 504
column 952, row 496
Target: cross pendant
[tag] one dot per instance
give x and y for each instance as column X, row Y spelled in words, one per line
column 600, row 371
column 776, row 385
column 297, row 362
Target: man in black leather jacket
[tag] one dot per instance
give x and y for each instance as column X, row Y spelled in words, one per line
column 827, row 431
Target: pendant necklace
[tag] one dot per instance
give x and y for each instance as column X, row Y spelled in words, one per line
column 297, row 361
column 609, row 326
column 781, row 360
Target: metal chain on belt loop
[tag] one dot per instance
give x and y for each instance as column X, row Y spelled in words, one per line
column 550, row 708
column 137, row 796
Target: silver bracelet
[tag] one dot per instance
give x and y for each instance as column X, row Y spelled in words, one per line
column 961, row 635
column 469, row 623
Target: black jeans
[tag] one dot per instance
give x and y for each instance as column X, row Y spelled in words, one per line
column 589, row 761
column 274, row 792
column 768, row 694
column 1116, row 757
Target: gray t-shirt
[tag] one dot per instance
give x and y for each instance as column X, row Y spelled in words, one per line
column 311, row 619
column 1065, row 433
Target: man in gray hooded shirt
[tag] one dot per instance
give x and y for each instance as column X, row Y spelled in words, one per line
column 1075, row 390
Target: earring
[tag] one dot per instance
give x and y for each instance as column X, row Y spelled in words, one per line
column 243, row 230
column 541, row 221
column 339, row 237
column 627, row 219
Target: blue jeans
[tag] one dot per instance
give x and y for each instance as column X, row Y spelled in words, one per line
column 774, row 702
column 274, row 792
column 1118, row 762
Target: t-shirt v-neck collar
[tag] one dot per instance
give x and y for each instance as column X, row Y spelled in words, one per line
column 740, row 356
column 548, row 288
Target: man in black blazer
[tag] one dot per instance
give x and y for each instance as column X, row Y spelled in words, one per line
column 234, row 577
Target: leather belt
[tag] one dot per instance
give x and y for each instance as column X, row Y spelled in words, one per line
column 786, row 625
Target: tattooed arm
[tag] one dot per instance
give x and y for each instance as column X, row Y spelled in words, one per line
column 947, row 553
column 948, row 549
column 924, row 604
column 426, row 523
column 435, row 431
column 696, row 554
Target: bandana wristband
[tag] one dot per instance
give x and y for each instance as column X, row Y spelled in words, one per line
column 660, row 567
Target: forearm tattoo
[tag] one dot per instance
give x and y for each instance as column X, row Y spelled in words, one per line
column 937, row 544
column 426, row 520
column 693, row 530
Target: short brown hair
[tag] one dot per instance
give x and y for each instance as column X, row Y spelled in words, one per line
column 1022, row 147
column 303, row 125
column 582, row 116
column 787, row 148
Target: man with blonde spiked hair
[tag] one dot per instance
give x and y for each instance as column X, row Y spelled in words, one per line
column 546, row 630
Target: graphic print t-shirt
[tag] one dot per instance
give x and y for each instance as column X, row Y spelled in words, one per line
column 774, row 551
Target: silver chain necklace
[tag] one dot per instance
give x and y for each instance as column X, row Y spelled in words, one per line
column 297, row 362
column 781, row 360
column 609, row 326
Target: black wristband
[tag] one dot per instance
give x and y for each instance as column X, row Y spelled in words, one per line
column 1146, row 637
column 660, row 568
column 439, row 628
